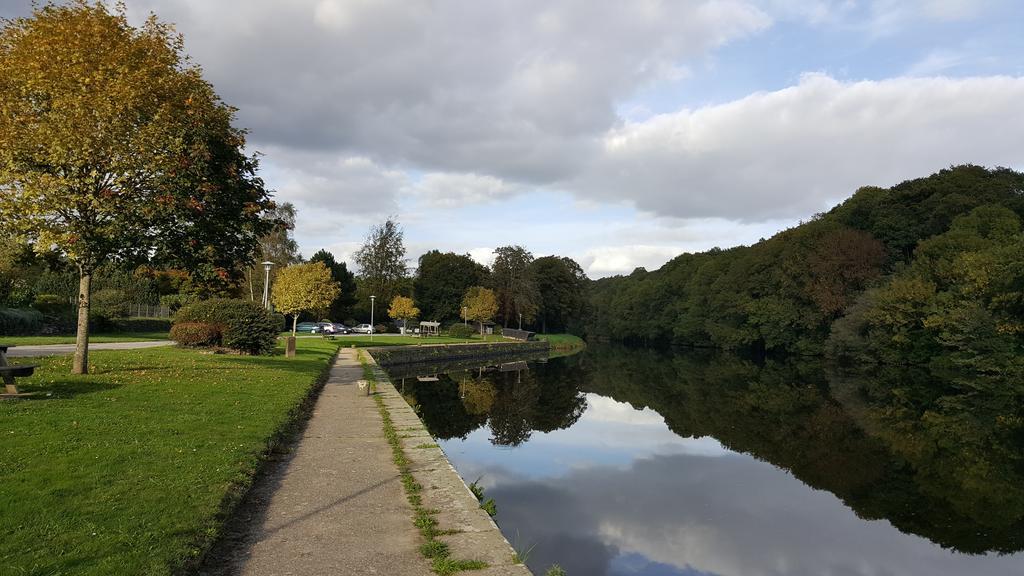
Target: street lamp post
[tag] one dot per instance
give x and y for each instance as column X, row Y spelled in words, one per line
column 266, row 284
column 372, row 300
column 465, row 321
column 520, row 320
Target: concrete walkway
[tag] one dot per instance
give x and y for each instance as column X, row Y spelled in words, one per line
column 64, row 349
column 339, row 506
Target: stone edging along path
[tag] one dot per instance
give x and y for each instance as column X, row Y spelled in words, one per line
column 426, row 353
column 353, row 499
column 467, row 532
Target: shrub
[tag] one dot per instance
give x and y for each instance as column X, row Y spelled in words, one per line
column 14, row 321
column 108, row 304
column 141, row 325
column 50, row 304
column 255, row 332
column 196, row 334
column 381, row 329
column 244, row 326
column 461, row 330
column 64, row 323
column 281, row 321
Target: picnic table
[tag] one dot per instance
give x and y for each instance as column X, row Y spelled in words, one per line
column 10, row 373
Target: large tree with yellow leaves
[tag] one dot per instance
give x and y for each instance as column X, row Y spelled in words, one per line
column 114, row 148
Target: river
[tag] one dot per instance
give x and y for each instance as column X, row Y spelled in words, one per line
column 650, row 463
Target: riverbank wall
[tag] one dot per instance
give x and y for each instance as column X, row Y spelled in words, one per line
column 462, row 525
column 387, row 357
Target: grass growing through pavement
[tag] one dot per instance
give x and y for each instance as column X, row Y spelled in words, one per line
column 93, row 338
column 423, row 518
column 130, row 470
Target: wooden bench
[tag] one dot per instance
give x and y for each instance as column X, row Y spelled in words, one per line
column 10, row 373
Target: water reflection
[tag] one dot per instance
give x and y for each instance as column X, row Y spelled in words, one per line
column 511, row 399
column 638, row 462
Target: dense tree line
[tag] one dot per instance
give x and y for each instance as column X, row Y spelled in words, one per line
column 901, row 274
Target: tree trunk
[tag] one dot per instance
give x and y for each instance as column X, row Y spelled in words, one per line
column 295, row 323
column 81, row 364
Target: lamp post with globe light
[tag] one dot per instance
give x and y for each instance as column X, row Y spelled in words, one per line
column 266, row 284
column 372, row 300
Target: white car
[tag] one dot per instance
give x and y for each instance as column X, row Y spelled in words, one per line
column 363, row 329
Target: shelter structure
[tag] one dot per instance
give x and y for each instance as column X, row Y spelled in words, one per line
column 430, row 328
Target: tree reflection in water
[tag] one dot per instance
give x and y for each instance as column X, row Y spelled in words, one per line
column 937, row 455
column 513, row 400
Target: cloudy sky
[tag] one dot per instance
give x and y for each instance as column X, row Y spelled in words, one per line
column 617, row 133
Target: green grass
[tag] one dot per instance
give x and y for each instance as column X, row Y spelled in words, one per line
column 363, row 340
column 563, row 340
column 93, row 339
column 425, row 519
column 563, row 344
column 130, row 470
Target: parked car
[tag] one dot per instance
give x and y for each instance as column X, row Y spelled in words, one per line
column 331, row 328
column 363, row 329
column 306, row 327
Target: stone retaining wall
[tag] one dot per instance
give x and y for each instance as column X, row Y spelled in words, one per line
column 434, row 353
column 470, row 533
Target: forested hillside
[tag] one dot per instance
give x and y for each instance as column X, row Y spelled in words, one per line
column 930, row 267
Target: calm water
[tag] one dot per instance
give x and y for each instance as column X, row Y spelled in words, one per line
column 626, row 462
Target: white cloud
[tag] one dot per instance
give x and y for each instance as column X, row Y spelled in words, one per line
column 454, row 189
column 796, row 151
column 483, row 256
column 611, row 260
column 519, row 90
column 889, row 17
column 811, row 11
column 366, row 108
column 343, row 184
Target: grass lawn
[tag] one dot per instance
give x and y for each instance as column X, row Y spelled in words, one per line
column 127, row 470
column 563, row 340
column 363, row 340
column 93, row 338
column 563, row 344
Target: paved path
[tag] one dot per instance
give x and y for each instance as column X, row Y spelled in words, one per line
column 339, row 506
column 63, row 349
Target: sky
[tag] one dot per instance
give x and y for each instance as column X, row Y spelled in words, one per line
column 616, row 133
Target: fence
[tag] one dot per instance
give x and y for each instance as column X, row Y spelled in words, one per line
column 148, row 311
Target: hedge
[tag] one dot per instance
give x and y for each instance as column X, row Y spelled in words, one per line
column 51, row 304
column 199, row 334
column 130, row 325
column 244, row 326
column 16, row 321
column 461, row 330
